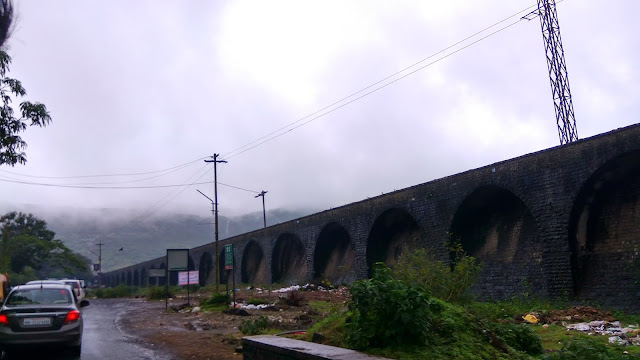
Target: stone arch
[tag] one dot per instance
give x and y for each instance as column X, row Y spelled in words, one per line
column 496, row 227
column 129, row 278
column 604, row 233
column 136, row 278
column 123, row 279
column 288, row 263
column 392, row 231
column 204, row 270
column 252, row 270
column 334, row 256
column 144, row 280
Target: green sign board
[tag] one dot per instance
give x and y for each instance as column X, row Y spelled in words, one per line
column 228, row 257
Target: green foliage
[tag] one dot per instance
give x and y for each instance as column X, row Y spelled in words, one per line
column 116, row 292
column 519, row 336
column 26, row 242
column 159, row 293
column 254, row 327
column 217, row 299
column 449, row 282
column 257, row 301
column 387, row 312
column 585, row 348
column 11, row 144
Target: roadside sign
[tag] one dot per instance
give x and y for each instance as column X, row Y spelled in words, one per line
column 228, row 257
column 157, row 272
column 193, row 279
column 177, row 259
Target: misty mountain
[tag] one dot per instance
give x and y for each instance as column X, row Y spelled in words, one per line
column 142, row 240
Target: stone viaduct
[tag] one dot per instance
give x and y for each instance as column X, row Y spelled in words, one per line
column 559, row 222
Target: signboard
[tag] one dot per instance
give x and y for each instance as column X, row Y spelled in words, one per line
column 194, row 277
column 157, row 272
column 177, row 259
column 228, row 257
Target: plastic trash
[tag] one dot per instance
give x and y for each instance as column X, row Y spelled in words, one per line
column 530, row 318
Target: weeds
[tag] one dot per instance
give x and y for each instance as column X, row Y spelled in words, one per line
column 254, row 327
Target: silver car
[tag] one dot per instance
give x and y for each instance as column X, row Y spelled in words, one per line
column 41, row 314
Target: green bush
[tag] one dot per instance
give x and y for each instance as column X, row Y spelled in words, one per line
column 519, row 336
column 582, row 348
column 385, row 312
column 446, row 281
column 257, row 301
column 116, row 292
column 217, row 299
column 159, row 293
column 254, row 327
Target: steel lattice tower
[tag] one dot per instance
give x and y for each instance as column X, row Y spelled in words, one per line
column 565, row 117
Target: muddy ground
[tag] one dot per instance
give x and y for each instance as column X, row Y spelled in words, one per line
column 216, row 335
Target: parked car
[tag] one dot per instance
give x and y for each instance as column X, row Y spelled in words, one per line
column 41, row 314
column 77, row 288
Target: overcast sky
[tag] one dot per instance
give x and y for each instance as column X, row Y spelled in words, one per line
column 142, row 86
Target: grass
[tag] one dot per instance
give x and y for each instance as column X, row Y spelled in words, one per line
column 477, row 331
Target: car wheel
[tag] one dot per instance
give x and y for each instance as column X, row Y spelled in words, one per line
column 76, row 350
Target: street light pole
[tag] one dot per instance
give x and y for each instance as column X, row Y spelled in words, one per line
column 264, row 213
column 215, row 162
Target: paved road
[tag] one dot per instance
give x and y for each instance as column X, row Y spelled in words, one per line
column 102, row 339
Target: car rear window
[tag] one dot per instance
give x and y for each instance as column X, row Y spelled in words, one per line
column 42, row 296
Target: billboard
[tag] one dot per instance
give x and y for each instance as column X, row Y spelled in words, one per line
column 177, row 259
column 193, row 279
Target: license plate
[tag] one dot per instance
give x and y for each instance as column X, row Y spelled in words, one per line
column 36, row 321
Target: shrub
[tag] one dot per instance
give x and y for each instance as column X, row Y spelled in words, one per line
column 256, row 301
column 217, row 299
column 386, row 312
column 582, row 348
column 446, row 281
column 158, row 293
column 294, row 298
column 519, row 336
column 254, row 327
column 116, row 292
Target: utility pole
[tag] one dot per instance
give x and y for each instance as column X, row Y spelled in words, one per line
column 100, row 264
column 264, row 213
column 215, row 162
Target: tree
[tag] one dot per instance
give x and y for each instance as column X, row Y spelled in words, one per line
column 26, row 243
column 11, row 144
column 6, row 19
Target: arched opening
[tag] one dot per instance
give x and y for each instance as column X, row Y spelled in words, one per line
column 604, row 234
column 143, row 277
column 123, row 279
column 136, row 278
column 393, row 231
column 496, row 227
column 129, row 278
column 288, row 264
column 204, row 271
column 252, row 269
column 334, row 256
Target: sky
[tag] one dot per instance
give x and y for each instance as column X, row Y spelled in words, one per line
column 155, row 87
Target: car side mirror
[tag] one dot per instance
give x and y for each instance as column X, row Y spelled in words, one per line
column 84, row 303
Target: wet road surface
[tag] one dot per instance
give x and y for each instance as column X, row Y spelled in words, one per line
column 102, row 337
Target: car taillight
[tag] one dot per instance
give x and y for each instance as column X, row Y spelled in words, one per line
column 72, row 316
column 4, row 320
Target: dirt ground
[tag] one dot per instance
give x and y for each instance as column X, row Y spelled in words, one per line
column 216, row 335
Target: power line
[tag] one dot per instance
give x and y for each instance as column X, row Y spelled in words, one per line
column 169, row 170
column 281, row 131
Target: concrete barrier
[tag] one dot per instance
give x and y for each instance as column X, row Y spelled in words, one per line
column 270, row 347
